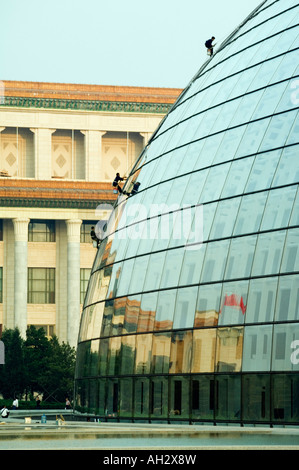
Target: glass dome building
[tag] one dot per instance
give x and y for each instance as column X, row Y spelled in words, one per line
column 192, row 307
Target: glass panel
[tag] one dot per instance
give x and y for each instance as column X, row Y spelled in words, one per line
column 229, row 349
column 214, row 183
column 268, row 253
column 215, row 259
column 165, row 310
column 203, row 350
column 278, row 208
column 208, row 305
column 256, row 398
column 103, row 355
column 262, row 171
column 112, row 404
column 153, row 276
column 126, row 397
column 261, row 300
column 179, row 397
column 257, row 348
column 131, row 314
column 285, row 392
column 237, row 177
column 202, row 389
column 102, row 397
column 185, row 308
column 276, row 133
column 287, row 304
column 180, row 353
column 230, row 142
column 127, row 354
column 225, row 218
column 143, row 355
column 118, row 314
column 240, row 257
column 233, row 303
column 159, row 397
column 192, row 265
column 161, row 353
column 290, row 260
column 228, row 397
column 114, row 356
column 253, row 133
column 295, row 214
column 141, row 397
column 250, row 213
column 172, row 268
column 147, row 312
column 285, row 354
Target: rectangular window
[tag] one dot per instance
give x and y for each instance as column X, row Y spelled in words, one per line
column 84, row 278
column 41, row 231
column 85, row 231
column 41, row 285
column 1, row 230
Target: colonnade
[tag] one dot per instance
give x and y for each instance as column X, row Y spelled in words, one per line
column 73, row 276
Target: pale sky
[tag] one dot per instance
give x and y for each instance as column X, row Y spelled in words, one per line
column 158, row 43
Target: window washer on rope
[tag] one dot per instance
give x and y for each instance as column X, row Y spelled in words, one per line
column 210, row 46
column 116, row 181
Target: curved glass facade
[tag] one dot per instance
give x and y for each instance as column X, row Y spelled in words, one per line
column 192, row 308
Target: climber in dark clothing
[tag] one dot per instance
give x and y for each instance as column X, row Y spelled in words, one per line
column 94, row 237
column 116, row 181
column 210, row 46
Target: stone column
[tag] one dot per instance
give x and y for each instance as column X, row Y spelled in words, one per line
column 43, row 152
column 73, row 280
column 93, row 155
column 20, row 273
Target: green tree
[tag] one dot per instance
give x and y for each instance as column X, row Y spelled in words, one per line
column 12, row 378
column 36, row 355
column 58, row 378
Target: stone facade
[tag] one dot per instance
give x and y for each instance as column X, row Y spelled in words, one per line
column 60, row 147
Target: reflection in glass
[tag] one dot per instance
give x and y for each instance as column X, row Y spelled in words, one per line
column 285, row 347
column 257, row 348
column 208, row 305
column 185, row 308
column 203, row 350
column 285, row 397
column 143, row 354
column 229, row 349
column 203, row 396
column 127, row 354
column 180, row 353
column 261, row 300
column 114, row 358
column 165, row 310
column 159, row 397
column 256, row 397
column 125, row 397
column 131, row 314
column 179, row 397
column 141, row 397
column 228, row 397
column 233, row 303
column 287, row 303
column 147, row 312
column 161, row 353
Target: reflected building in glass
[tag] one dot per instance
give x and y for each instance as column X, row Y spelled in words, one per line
column 192, row 308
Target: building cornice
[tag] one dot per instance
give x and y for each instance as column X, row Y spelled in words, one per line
column 85, row 105
column 54, row 194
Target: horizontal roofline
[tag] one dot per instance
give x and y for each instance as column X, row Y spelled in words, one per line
column 72, row 91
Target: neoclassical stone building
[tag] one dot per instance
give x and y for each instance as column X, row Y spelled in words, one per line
column 60, row 147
